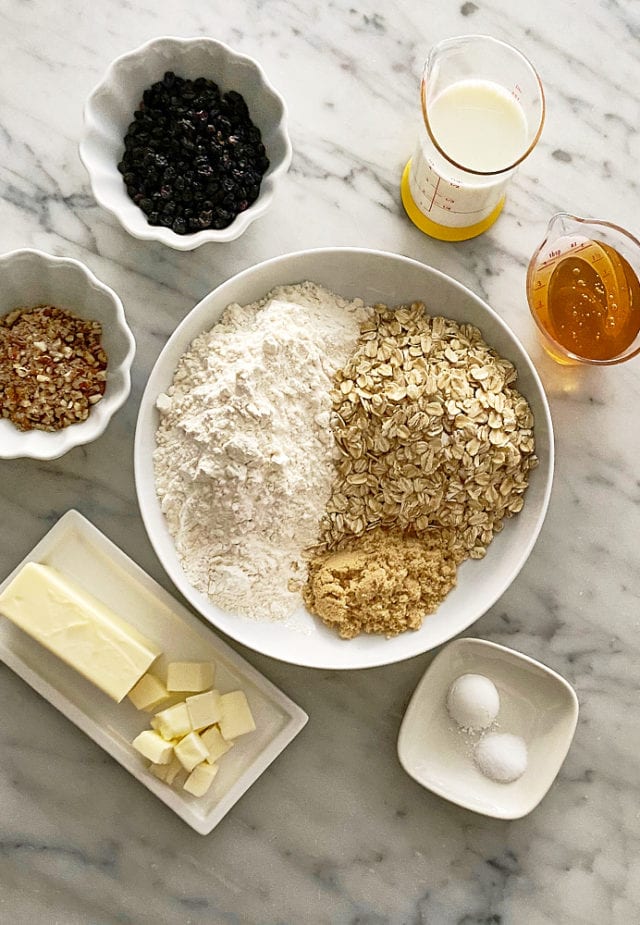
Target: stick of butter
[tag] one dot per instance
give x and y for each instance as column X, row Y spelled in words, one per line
column 77, row 628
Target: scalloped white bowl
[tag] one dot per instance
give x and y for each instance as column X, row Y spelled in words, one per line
column 375, row 276
column 31, row 277
column 109, row 111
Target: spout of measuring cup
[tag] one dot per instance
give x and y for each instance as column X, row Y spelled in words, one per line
column 560, row 224
column 563, row 223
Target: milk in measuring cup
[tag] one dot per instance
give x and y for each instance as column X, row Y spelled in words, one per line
column 482, row 113
column 480, row 126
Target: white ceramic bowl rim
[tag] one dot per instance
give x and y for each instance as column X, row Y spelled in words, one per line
column 45, row 445
column 141, row 229
column 375, row 651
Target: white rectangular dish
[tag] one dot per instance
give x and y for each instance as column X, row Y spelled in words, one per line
column 79, row 550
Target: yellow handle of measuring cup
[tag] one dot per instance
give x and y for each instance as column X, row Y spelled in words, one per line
column 434, row 229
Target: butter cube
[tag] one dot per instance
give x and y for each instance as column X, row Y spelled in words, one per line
column 215, row 742
column 189, row 676
column 148, row 693
column 159, row 770
column 78, row 628
column 174, row 769
column 172, row 723
column 204, row 709
column 191, row 751
column 153, row 747
column 167, row 772
column 236, row 718
column 200, row 779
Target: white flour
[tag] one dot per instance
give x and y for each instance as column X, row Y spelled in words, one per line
column 245, row 454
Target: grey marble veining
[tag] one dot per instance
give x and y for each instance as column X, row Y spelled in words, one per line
column 335, row 832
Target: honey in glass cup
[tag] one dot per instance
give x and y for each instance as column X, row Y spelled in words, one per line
column 584, row 293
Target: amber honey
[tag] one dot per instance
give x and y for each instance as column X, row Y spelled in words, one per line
column 586, row 297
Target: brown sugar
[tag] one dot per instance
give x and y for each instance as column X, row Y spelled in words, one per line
column 384, row 582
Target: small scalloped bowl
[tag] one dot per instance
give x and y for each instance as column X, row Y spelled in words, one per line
column 31, row 277
column 109, row 111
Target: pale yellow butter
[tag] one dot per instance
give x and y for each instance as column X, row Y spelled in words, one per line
column 191, row 751
column 236, row 719
column 148, row 693
column 189, row 676
column 173, row 722
column 200, row 779
column 153, row 747
column 174, row 770
column 78, row 628
column 204, row 709
column 167, row 772
column 215, row 742
column 159, row 770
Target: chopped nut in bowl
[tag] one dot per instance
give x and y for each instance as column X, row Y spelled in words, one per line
column 65, row 355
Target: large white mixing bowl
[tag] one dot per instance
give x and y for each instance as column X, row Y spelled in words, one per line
column 376, row 277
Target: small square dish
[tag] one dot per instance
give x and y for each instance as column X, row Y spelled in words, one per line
column 82, row 553
column 535, row 703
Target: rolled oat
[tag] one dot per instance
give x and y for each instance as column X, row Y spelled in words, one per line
column 436, row 448
column 432, row 432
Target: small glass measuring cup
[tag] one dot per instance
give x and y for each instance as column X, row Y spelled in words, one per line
column 584, row 292
column 482, row 114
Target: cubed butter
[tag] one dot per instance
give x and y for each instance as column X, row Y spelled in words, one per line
column 236, row 719
column 174, row 769
column 153, row 747
column 167, row 772
column 189, row 676
column 191, row 750
column 200, row 779
column 204, row 709
column 215, row 742
column 159, row 770
column 78, row 628
column 148, row 693
column 172, row 723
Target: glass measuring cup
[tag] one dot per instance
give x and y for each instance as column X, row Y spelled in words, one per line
column 584, row 293
column 482, row 114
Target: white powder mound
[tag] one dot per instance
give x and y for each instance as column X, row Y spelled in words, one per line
column 502, row 757
column 245, row 454
column 473, row 701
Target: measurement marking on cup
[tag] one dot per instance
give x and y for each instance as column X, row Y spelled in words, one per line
column 434, row 188
column 575, row 246
column 474, row 131
column 434, row 194
column 584, row 299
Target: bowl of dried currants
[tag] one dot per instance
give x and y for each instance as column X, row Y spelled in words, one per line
column 185, row 141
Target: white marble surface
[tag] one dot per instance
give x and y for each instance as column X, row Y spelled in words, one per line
column 335, row 832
